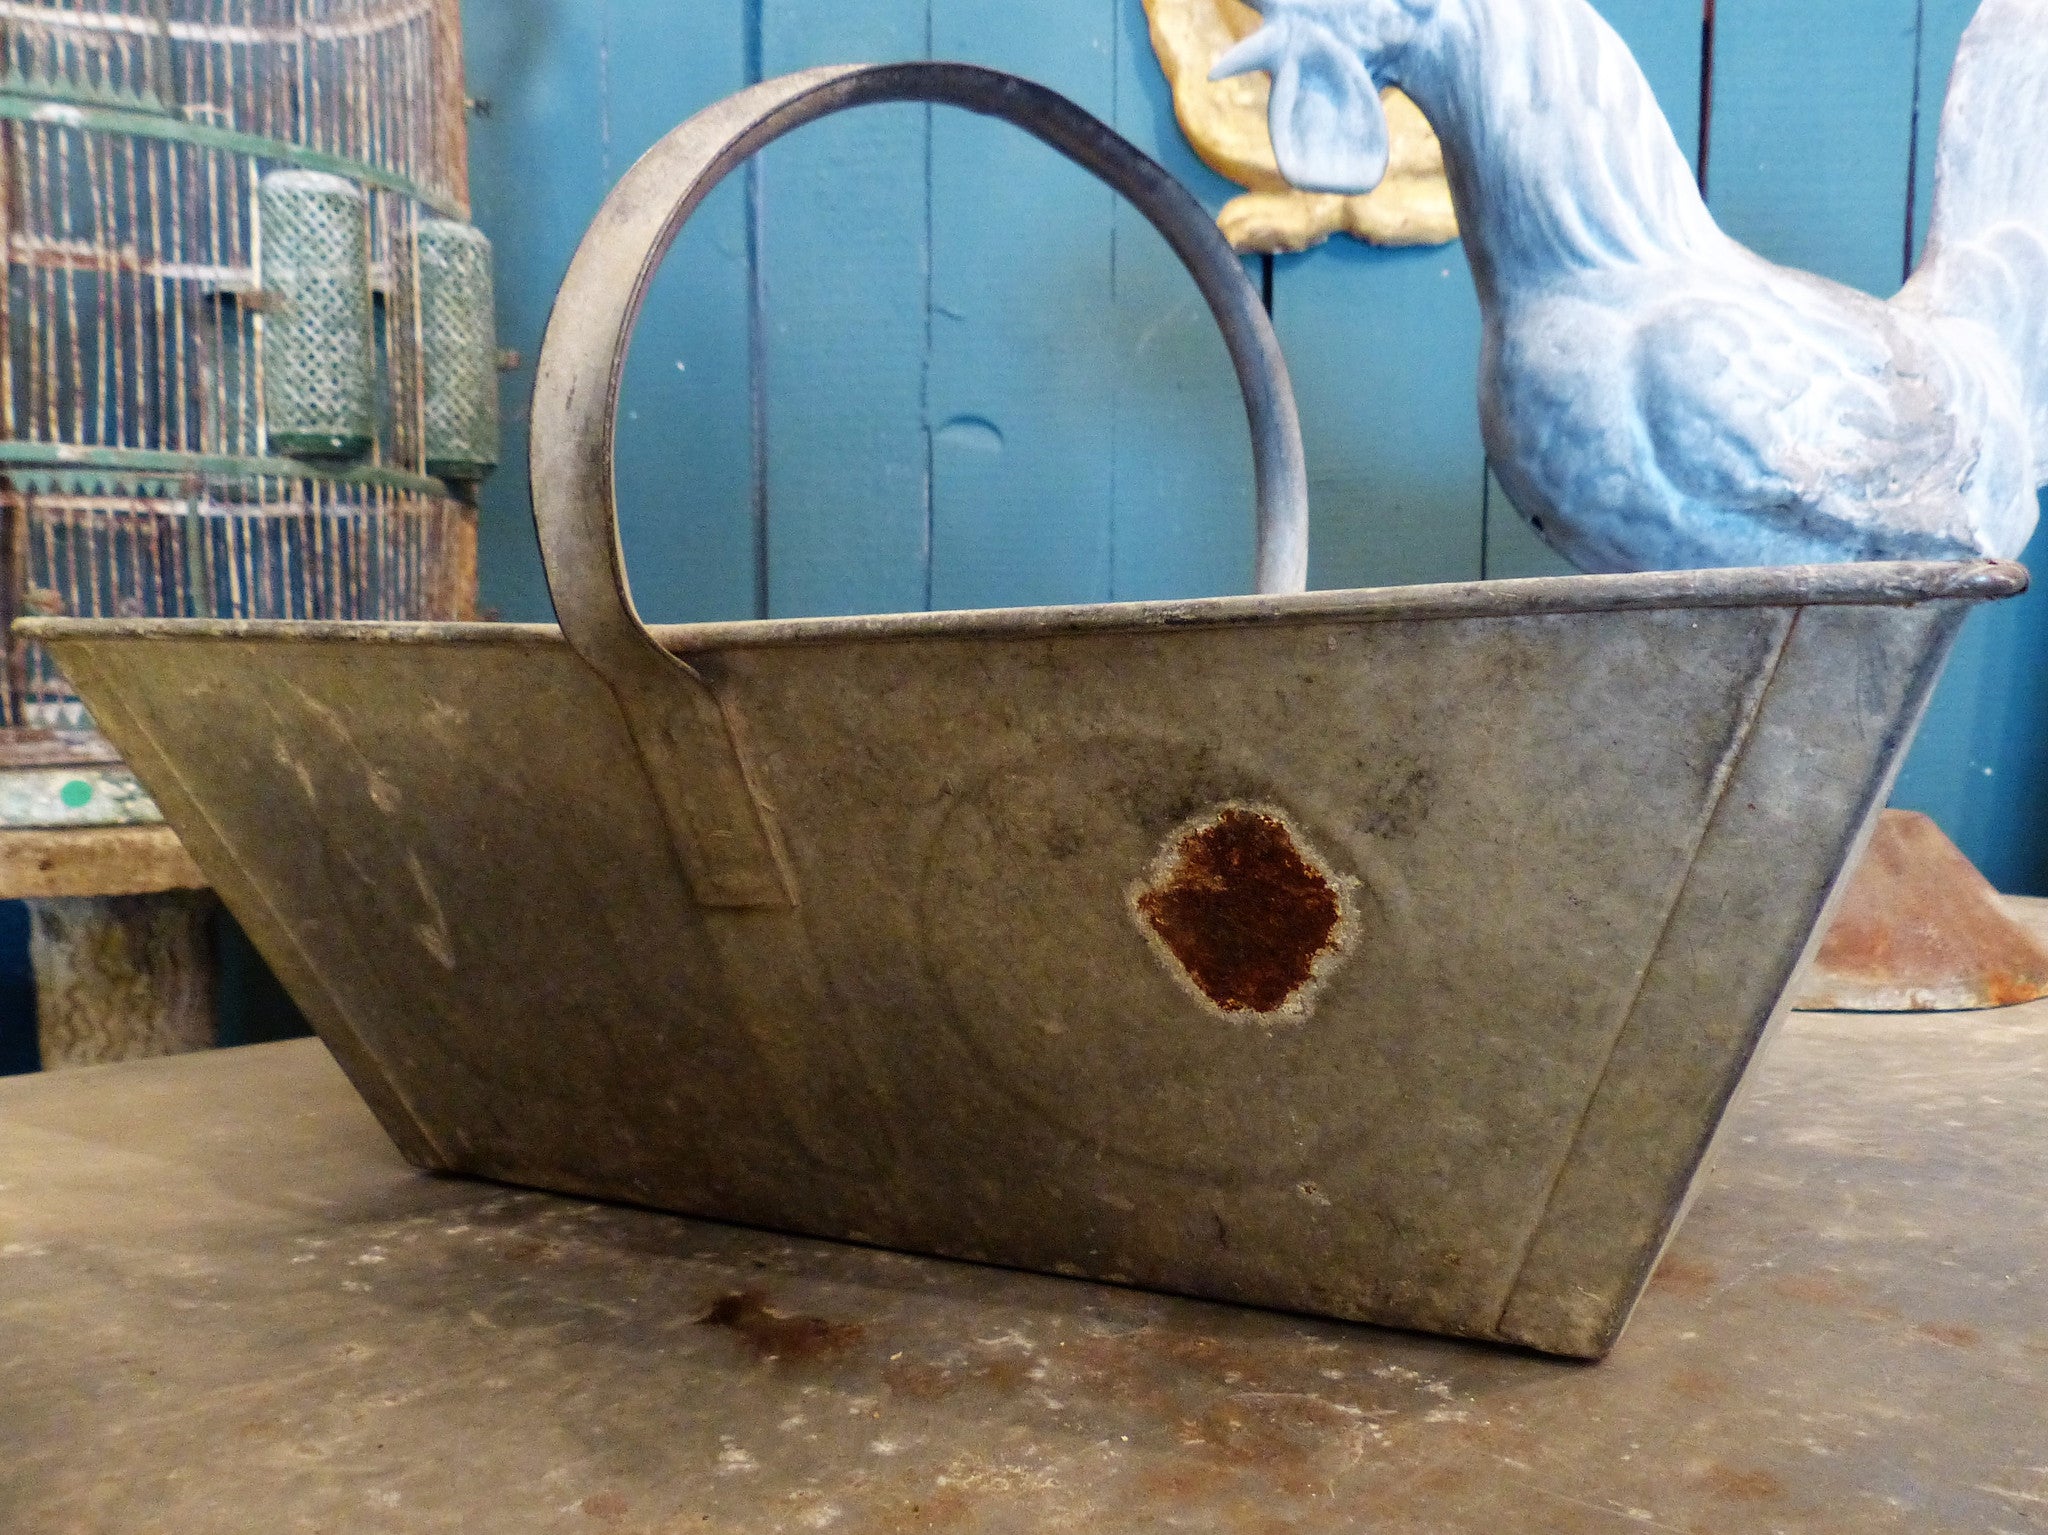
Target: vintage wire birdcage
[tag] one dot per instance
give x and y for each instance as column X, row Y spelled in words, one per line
column 248, row 366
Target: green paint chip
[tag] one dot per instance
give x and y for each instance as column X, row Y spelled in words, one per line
column 77, row 794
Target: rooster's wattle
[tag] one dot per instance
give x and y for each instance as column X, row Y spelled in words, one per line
column 1652, row 394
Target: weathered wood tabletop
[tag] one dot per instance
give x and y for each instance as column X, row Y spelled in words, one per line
column 227, row 1306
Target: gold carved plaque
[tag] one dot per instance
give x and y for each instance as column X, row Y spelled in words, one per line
column 1225, row 120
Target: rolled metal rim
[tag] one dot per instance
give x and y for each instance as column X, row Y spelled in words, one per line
column 583, row 356
column 1887, row 583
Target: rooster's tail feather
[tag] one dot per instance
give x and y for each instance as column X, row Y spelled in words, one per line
column 1992, row 167
column 1987, row 248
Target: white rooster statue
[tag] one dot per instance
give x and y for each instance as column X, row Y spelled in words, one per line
column 1652, row 394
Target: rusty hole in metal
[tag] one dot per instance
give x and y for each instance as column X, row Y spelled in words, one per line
column 1245, row 913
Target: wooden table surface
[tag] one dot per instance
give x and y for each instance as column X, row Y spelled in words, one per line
column 39, row 863
column 226, row 1306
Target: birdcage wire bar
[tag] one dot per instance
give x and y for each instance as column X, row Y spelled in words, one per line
column 266, row 548
column 373, row 81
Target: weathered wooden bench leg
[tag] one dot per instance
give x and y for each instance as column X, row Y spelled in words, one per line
column 123, row 977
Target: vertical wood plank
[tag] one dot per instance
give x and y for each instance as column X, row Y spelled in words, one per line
column 685, row 452
column 575, row 95
column 1813, row 112
column 1088, row 437
column 536, row 177
column 1023, row 373
column 1384, row 349
column 844, row 251
column 1665, row 37
column 1182, row 465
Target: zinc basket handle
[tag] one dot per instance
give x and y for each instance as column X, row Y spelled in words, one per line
column 725, row 841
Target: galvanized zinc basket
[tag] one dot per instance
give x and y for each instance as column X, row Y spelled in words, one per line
column 1384, row 954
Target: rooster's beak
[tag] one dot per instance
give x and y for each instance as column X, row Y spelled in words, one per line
column 1264, row 49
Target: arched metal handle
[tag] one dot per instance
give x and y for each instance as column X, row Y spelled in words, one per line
column 724, row 840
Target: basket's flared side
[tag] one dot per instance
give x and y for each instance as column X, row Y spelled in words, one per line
column 212, row 825
column 1842, row 707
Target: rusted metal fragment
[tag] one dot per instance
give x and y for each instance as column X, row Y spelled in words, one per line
column 1247, row 914
column 1919, row 930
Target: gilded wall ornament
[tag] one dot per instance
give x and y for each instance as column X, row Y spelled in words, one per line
column 1225, row 121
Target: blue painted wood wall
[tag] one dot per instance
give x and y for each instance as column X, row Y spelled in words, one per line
column 916, row 360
